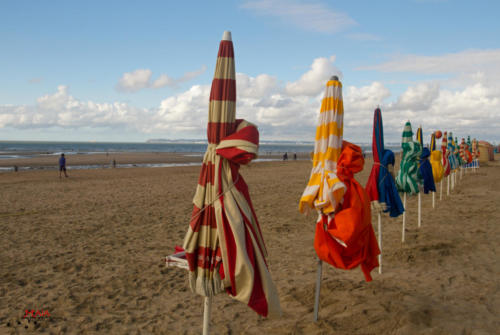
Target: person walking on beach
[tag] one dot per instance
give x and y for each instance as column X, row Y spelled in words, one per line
column 62, row 166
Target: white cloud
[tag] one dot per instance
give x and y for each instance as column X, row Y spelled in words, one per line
column 312, row 16
column 162, row 81
column 419, row 97
column 311, row 82
column 141, row 78
column 262, row 85
column 63, row 110
column 468, row 61
column 282, row 110
column 135, row 81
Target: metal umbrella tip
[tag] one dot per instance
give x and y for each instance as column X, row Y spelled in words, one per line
column 226, row 36
column 334, row 78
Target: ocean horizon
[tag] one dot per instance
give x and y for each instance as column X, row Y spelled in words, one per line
column 27, row 149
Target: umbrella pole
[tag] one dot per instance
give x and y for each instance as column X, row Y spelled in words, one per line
column 453, row 180
column 461, row 172
column 404, row 218
column 448, row 186
column 433, row 199
column 206, row 315
column 441, row 190
column 318, row 289
column 419, row 207
column 380, row 243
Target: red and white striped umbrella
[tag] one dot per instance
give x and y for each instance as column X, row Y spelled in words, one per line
column 224, row 245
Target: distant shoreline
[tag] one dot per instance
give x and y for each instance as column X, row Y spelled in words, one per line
column 121, row 159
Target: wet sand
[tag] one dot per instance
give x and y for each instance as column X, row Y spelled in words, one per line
column 89, row 249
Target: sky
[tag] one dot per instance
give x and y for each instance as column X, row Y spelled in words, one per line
column 128, row 71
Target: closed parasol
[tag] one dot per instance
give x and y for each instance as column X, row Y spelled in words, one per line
column 420, row 136
column 456, row 148
column 425, row 170
column 348, row 240
column 432, row 144
column 224, row 245
column 469, row 143
column 475, row 152
column 344, row 234
column 445, row 153
column 381, row 186
column 451, row 153
column 407, row 179
column 436, row 161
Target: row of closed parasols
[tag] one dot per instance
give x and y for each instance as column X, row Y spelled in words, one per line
column 224, row 249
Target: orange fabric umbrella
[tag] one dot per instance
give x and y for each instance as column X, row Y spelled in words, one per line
column 347, row 239
column 344, row 234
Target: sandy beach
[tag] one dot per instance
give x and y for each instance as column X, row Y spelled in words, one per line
column 90, row 249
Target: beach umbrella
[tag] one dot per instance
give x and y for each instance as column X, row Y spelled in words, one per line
column 407, row 178
column 420, row 136
column 462, row 150
column 469, row 144
column 425, row 170
column 446, row 162
column 432, row 144
column 224, row 245
column 475, row 153
column 451, row 155
column 344, row 235
column 444, row 150
column 456, row 147
column 469, row 150
column 436, row 161
column 381, row 187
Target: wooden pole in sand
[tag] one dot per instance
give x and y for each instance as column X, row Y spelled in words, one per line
column 206, row 315
column 404, row 218
column 453, row 180
column 318, row 289
column 441, row 190
column 448, row 186
column 380, row 243
column 419, row 208
column 433, row 199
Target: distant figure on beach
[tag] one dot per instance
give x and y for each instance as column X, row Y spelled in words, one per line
column 285, row 156
column 294, row 156
column 15, row 168
column 114, row 163
column 62, row 166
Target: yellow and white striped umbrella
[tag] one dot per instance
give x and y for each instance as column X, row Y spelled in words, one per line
column 325, row 190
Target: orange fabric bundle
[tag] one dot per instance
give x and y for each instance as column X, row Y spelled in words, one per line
column 346, row 239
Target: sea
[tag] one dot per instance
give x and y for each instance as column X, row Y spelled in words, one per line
column 25, row 149
column 29, row 149
column 18, row 149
